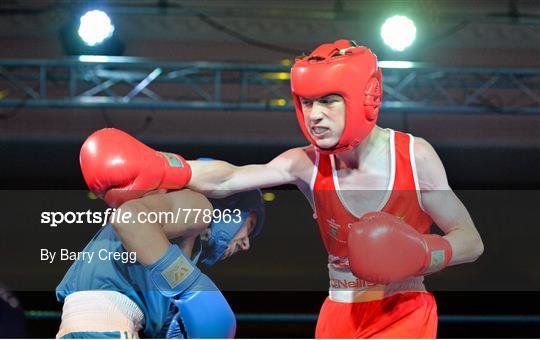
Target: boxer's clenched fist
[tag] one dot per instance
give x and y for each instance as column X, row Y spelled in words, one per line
column 384, row 249
column 118, row 168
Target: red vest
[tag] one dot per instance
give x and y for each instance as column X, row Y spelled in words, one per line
column 403, row 201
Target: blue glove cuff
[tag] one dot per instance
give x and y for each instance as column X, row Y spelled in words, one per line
column 173, row 273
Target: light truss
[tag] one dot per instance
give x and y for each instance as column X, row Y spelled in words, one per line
column 120, row 82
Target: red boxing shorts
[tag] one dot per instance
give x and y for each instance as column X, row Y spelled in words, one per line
column 402, row 315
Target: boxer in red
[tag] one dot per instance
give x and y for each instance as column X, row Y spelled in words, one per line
column 375, row 193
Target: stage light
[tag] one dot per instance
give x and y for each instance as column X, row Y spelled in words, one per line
column 90, row 31
column 95, row 27
column 398, row 32
column 276, row 75
column 269, row 196
column 278, row 102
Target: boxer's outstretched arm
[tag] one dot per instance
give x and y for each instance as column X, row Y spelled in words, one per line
column 444, row 207
column 220, row 179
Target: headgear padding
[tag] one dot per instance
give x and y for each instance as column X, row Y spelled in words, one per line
column 347, row 70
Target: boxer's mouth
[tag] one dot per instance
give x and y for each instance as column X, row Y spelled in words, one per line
column 319, row 130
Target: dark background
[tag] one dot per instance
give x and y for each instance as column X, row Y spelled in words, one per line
column 492, row 159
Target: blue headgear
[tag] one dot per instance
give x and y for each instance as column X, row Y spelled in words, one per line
column 221, row 232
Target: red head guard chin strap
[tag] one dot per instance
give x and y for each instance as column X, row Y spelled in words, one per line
column 345, row 69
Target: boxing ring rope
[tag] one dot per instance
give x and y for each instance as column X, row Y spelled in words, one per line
column 281, row 317
column 135, row 83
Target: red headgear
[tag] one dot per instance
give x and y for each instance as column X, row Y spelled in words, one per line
column 345, row 69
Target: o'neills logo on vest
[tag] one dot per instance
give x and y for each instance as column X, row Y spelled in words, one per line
column 347, row 284
column 333, row 227
column 342, row 278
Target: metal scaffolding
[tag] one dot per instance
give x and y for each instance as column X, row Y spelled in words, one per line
column 122, row 82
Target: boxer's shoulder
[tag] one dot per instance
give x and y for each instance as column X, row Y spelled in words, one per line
column 303, row 161
column 296, row 164
column 308, row 154
column 429, row 167
column 424, row 153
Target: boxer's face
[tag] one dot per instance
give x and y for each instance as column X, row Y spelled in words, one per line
column 240, row 242
column 324, row 118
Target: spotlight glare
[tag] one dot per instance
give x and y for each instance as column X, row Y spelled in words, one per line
column 95, row 27
column 398, row 32
column 395, row 64
column 278, row 102
column 269, row 196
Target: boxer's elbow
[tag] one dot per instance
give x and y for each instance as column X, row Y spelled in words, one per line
column 467, row 246
column 477, row 249
column 197, row 223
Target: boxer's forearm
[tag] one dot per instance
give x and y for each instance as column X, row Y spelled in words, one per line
column 147, row 240
column 466, row 245
column 211, row 178
column 451, row 216
column 185, row 244
column 218, row 179
column 179, row 216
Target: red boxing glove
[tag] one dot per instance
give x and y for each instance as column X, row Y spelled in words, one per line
column 385, row 249
column 119, row 168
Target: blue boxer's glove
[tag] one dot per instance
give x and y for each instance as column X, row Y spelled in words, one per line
column 203, row 312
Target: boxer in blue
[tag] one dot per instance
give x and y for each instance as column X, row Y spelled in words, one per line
column 119, row 298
